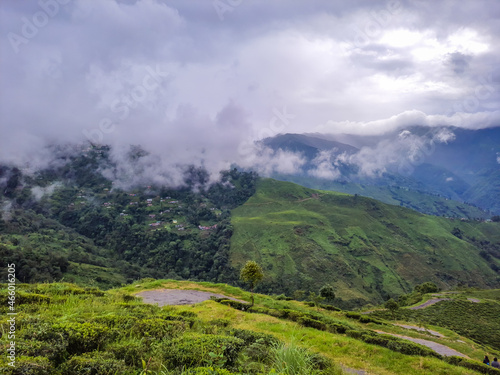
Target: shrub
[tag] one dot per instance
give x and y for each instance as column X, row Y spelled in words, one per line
column 472, row 365
column 206, row 371
column 95, row 363
column 235, row 304
column 158, row 328
column 250, row 337
column 123, row 322
column 54, row 350
column 30, row 366
column 313, row 323
column 23, row 298
column 194, row 350
column 329, row 307
column 259, row 310
column 393, row 343
column 130, row 351
column 83, row 337
column 337, row 328
column 221, row 322
column 428, row 287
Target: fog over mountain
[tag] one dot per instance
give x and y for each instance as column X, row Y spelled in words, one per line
column 197, row 82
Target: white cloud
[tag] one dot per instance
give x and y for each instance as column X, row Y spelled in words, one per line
column 85, row 72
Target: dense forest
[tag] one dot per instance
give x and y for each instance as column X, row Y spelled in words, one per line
column 146, row 231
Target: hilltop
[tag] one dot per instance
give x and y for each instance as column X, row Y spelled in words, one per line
column 366, row 249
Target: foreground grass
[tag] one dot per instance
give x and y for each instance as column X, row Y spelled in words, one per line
column 65, row 329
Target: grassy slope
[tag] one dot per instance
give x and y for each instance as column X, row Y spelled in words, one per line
column 478, row 321
column 67, row 308
column 304, row 238
column 420, row 201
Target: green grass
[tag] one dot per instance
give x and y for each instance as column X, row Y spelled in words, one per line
column 367, row 250
column 395, row 195
column 73, row 328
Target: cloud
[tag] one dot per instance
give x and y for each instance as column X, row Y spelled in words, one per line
column 190, row 88
column 325, row 165
column 39, row 192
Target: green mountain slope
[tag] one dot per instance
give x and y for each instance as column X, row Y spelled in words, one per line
column 425, row 202
column 366, row 249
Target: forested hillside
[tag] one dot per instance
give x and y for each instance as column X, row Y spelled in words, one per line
column 368, row 250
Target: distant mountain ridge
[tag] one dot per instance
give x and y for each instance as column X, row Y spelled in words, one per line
column 455, row 163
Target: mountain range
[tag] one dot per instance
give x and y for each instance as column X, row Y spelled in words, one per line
column 450, row 163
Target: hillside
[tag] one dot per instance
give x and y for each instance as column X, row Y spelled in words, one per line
column 366, row 249
column 65, row 329
column 446, row 170
column 424, row 202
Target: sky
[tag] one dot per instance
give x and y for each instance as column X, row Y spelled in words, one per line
column 199, row 81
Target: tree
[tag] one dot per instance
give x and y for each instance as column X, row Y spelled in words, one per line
column 427, row 287
column 252, row 274
column 392, row 306
column 327, row 292
column 316, row 299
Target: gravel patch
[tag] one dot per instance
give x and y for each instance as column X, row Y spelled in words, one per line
column 474, row 300
column 434, row 333
column 430, row 302
column 438, row 348
column 164, row 297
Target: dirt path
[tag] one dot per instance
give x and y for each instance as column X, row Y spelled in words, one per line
column 434, row 333
column 178, row 296
column 438, row 348
column 430, row 302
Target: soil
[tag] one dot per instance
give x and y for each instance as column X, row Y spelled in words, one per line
column 432, row 301
column 164, row 297
column 438, row 348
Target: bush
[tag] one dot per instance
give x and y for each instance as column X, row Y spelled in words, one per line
column 250, row 337
column 207, row 371
column 329, row 307
column 95, row 363
column 393, row 343
column 29, row 366
column 220, row 322
column 54, row 350
column 130, row 351
column 194, row 350
column 123, row 322
column 235, row 304
column 472, row 365
column 83, row 337
column 427, row 287
column 158, row 328
column 23, row 298
column 313, row 323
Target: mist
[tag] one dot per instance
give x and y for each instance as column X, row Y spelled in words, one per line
column 192, row 84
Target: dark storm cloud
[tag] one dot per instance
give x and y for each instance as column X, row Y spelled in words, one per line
column 198, row 81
